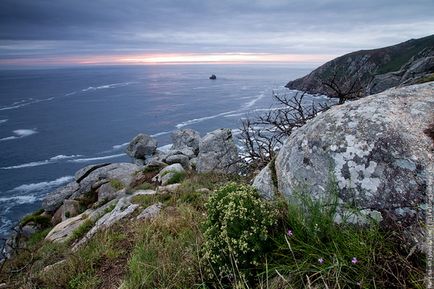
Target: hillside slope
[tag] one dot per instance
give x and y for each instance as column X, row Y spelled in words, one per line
column 368, row 72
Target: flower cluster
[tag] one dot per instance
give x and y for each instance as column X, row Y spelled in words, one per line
column 236, row 228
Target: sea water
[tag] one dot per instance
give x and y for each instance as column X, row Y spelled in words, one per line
column 56, row 121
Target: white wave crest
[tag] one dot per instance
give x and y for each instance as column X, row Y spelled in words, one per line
column 19, row 200
column 116, row 147
column 42, row 186
column 41, row 163
column 3, row 120
column 160, row 133
column 19, row 133
column 106, row 86
column 197, row 120
column 253, row 101
column 23, row 103
column 85, row 160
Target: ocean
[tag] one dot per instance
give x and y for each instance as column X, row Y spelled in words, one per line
column 56, row 121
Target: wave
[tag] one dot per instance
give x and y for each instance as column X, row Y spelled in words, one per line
column 19, row 200
column 160, row 133
column 20, row 133
column 85, row 160
column 197, row 120
column 253, row 101
column 117, row 147
column 3, row 120
column 42, row 186
column 107, row 86
column 41, row 163
column 23, row 103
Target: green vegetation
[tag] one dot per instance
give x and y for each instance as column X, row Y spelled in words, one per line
column 37, row 218
column 229, row 238
column 81, row 230
column 145, row 186
column 116, row 184
column 236, row 232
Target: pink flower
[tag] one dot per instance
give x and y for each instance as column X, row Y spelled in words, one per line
column 354, row 260
column 289, row 233
column 320, row 260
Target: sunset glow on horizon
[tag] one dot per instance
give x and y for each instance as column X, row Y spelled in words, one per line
column 169, row 58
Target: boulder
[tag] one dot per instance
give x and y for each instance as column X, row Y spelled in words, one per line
column 186, row 138
column 123, row 173
column 84, row 172
column 173, row 188
column 55, row 199
column 62, row 231
column 179, row 159
column 264, row 183
column 217, row 152
column 150, row 212
column 374, row 149
column 167, row 173
column 122, row 209
column 142, row 146
column 70, row 208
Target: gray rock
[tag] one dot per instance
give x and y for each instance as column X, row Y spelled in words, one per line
column 167, row 173
column 186, row 138
column 185, row 151
column 55, row 199
column 84, row 172
column 169, row 188
column 71, row 208
column 122, row 172
column 193, row 163
column 217, row 152
column 144, row 192
column 263, row 182
column 150, row 212
column 375, row 148
column 62, row 231
column 179, row 159
column 122, row 209
column 142, row 146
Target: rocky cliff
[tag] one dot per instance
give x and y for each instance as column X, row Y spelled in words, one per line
column 367, row 72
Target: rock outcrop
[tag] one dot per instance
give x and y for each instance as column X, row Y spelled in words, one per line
column 218, row 152
column 368, row 72
column 142, row 146
column 374, row 148
column 186, row 138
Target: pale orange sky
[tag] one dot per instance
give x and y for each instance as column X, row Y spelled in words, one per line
column 171, row 58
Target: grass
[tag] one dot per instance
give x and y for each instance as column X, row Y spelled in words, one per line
column 166, row 252
column 116, row 184
column 145, row 186
column 81, row 230
column 167, row 255
column 43, row 221
column 176, row 177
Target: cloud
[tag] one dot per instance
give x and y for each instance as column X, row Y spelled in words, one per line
column 64, row 27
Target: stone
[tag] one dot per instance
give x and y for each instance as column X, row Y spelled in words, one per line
column 142, row 146
column 55, row 199
column 374, row 148
column 180, row 159
column 150, row 212
column 264, row 183
column 70, row 208
column 203, row 190
column 186, row 138
column 62, row 231
column 121, row 172
column 84, row 172
column 218, row 152
column 173, row 188
column 122, row 209
column 53, row 266
column 167, row 173
column 144, row 192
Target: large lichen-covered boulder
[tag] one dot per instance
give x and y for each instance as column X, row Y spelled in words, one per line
column 218, row 152
column 55, row 198
column 142, row 146
column 186, row 138
column 375, row 149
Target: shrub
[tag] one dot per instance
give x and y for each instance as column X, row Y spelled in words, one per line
column 237, row 231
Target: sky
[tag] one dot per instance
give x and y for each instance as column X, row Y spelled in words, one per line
column 86, row 32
